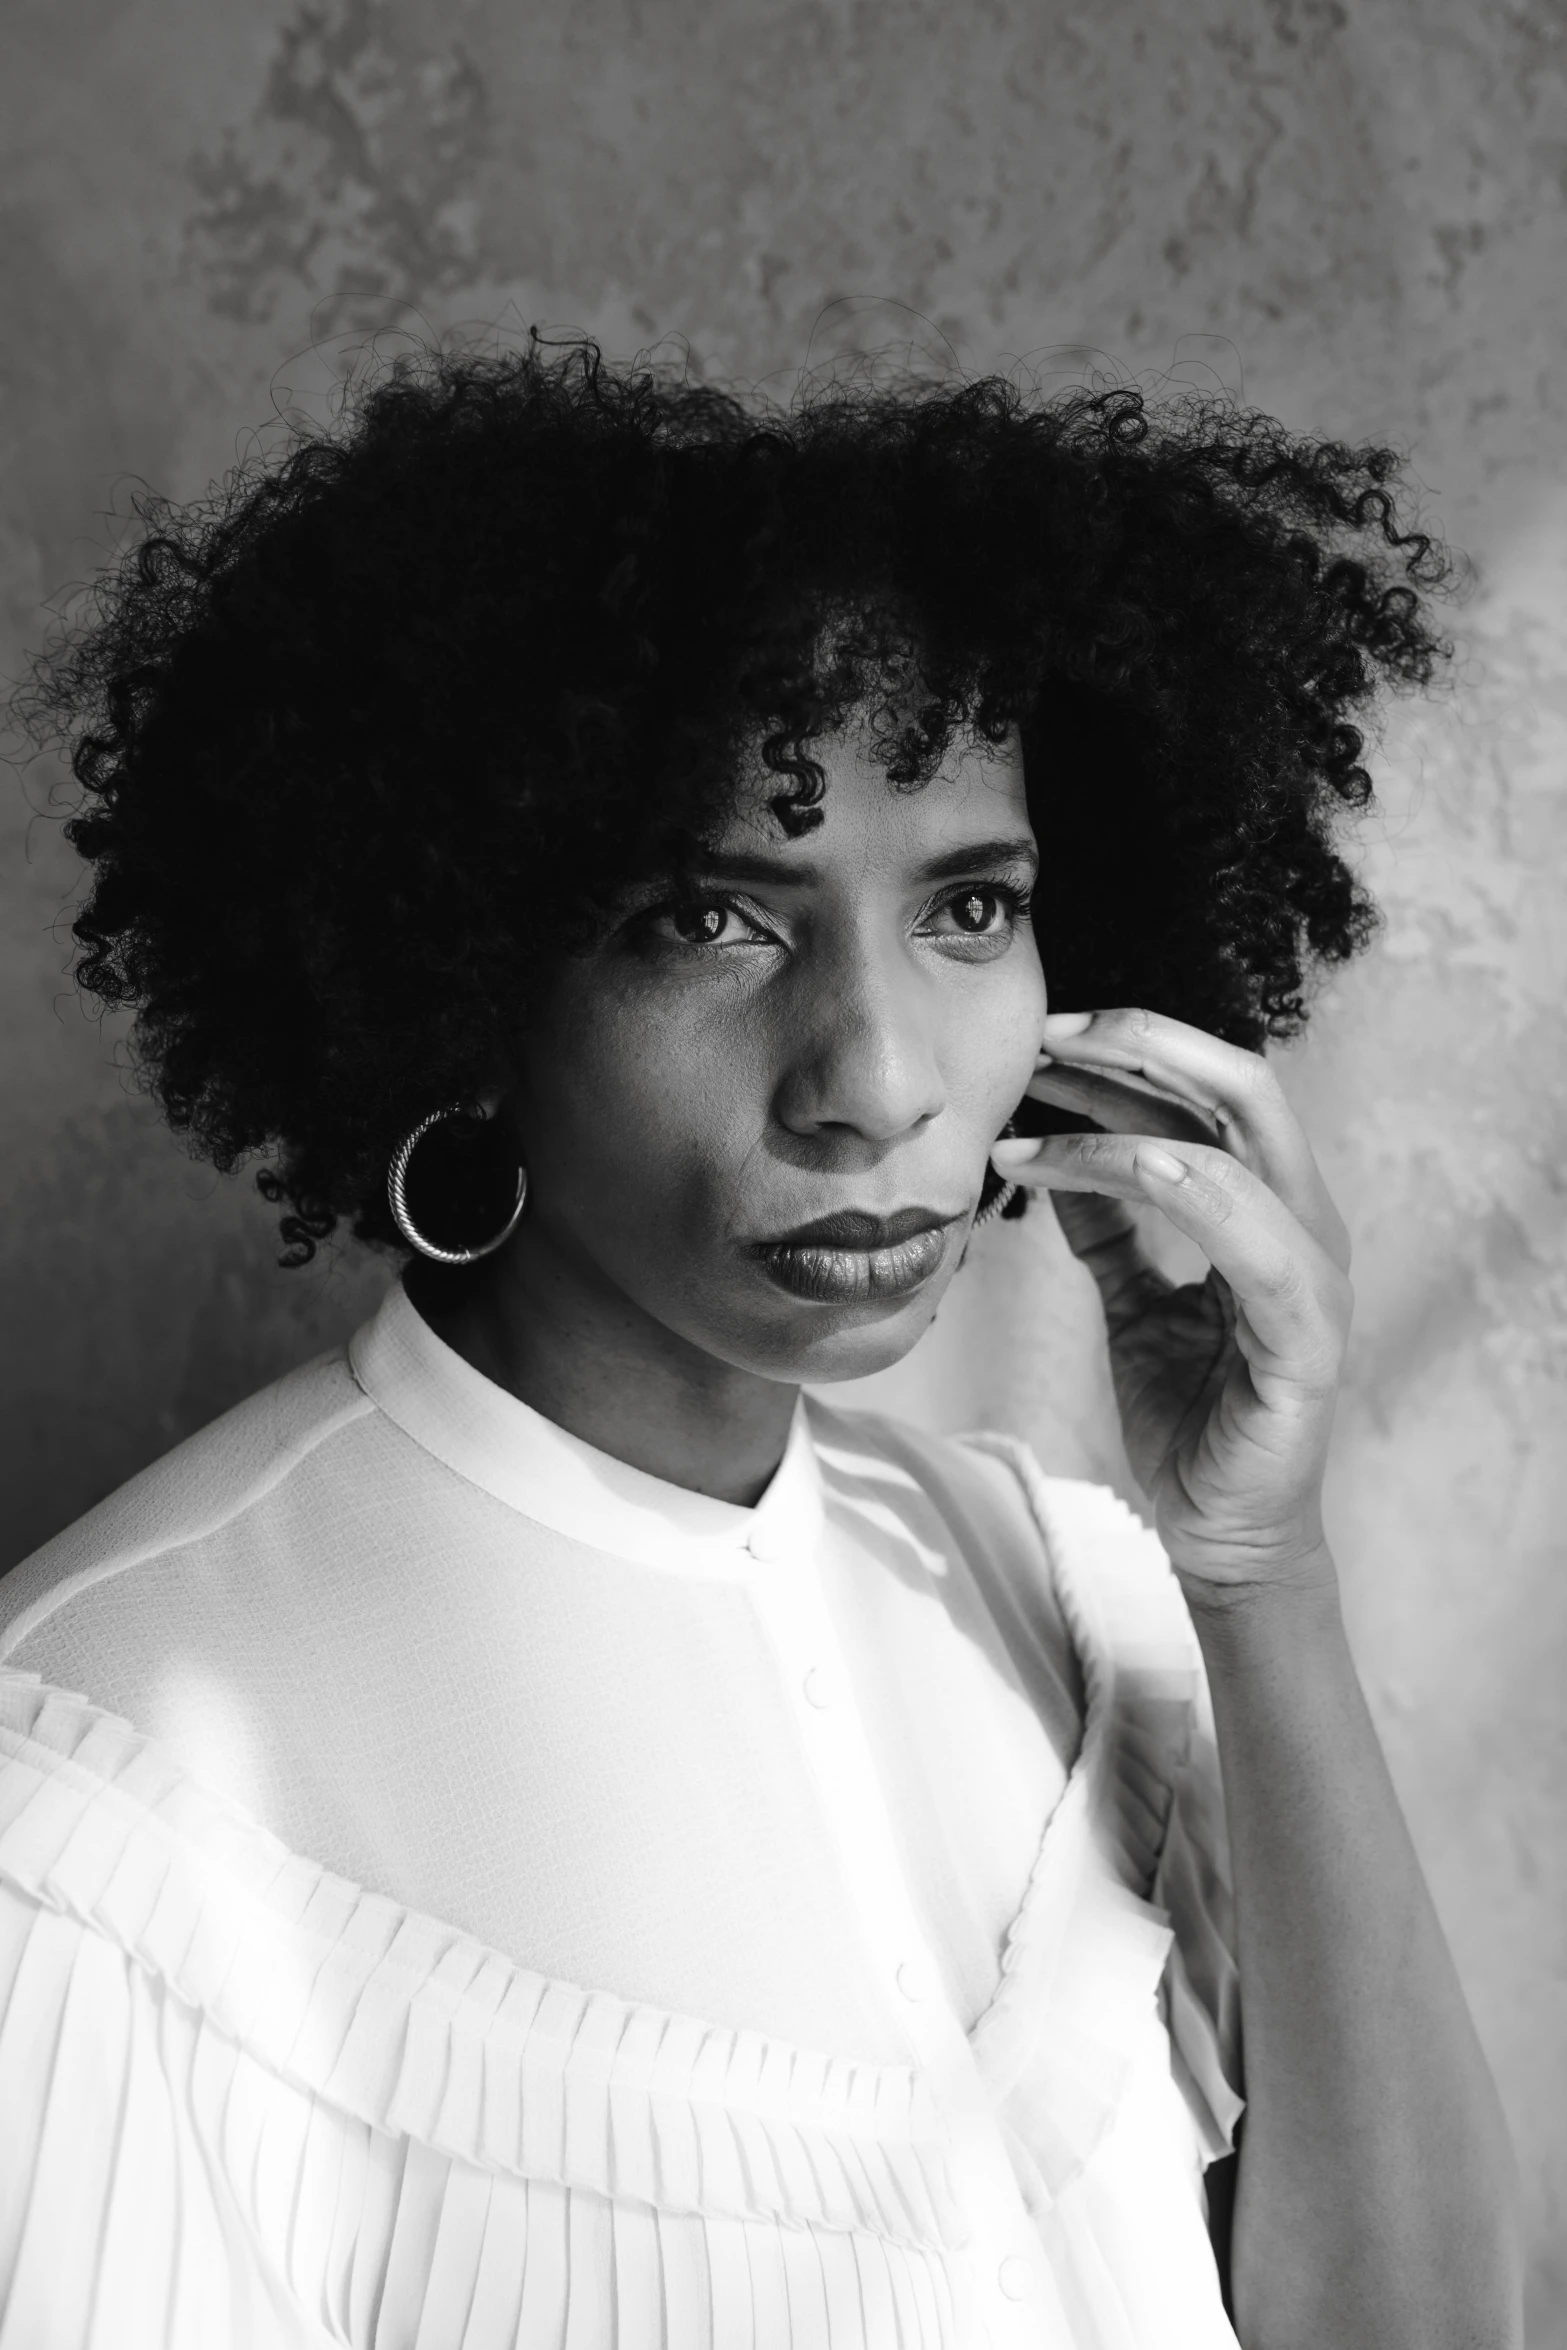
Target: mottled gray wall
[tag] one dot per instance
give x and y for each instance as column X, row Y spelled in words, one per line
column 1355, row 217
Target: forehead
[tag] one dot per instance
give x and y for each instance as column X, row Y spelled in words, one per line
column 977, row 793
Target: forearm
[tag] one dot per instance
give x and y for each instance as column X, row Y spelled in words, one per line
column 1375, row 2203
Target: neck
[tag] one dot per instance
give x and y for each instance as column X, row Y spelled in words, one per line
column 589, row 1359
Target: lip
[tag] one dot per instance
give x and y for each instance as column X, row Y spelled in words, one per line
column 854, row 1256
column 860, row 1228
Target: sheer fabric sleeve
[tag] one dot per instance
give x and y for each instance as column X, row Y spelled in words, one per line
column 1201, row 1984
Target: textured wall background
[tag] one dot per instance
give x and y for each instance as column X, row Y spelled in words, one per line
column 1354, row 217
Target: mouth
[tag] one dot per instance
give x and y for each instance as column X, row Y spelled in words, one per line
column 854, row 1256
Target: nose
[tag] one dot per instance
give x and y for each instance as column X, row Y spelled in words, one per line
column 864, row 1062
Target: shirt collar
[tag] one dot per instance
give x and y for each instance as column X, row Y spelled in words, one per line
column 504, row 1446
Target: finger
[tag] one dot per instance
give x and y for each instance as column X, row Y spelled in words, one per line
column 1234, row 1088
column 1120, row 1105
column 1290, row 1292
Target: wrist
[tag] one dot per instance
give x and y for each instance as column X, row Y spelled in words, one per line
column 1301, row 1590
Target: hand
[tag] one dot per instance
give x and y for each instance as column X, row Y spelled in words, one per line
column 1226, row 1387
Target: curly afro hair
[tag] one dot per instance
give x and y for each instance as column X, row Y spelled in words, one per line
column 365, row 737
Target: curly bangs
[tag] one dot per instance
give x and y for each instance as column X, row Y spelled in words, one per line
column 366, row 738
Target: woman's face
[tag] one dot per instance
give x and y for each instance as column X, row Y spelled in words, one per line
column 758, row 1111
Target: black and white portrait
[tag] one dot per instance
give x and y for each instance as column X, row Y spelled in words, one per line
column 783, row 1299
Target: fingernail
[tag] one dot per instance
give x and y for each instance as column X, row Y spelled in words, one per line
column 1151, row 1160
column 1067, row 1023
column 1015, row 1151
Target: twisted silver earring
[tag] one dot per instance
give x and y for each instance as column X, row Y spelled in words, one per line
column 397, row 1197
column 992, row 1208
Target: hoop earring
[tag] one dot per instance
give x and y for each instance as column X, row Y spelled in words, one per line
column 397, row 1197
column 1008, row 1192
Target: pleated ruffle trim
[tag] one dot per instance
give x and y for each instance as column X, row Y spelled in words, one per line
column 414, row 2028
column 411, row 2027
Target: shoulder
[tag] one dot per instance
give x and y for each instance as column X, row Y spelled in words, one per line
column 216, row 1478
column 991, row 1486
column 966, row 1475
column 1059, row 1560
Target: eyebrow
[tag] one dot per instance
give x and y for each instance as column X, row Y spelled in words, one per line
column 721, row 865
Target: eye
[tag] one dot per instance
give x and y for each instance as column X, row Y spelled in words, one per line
column 978, row 910
column 701, row 926
column 707, row 922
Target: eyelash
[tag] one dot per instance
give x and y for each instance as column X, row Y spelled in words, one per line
column 1015, row 898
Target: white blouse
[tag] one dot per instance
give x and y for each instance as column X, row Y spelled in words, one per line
column 539, row 1905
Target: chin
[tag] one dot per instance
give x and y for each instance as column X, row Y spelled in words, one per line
column 844, row 1345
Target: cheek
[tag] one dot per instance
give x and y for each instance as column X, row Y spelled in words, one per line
column 1000, row 1037
column 639, row 1114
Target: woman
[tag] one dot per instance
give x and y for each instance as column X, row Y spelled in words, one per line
column 534, row 1829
